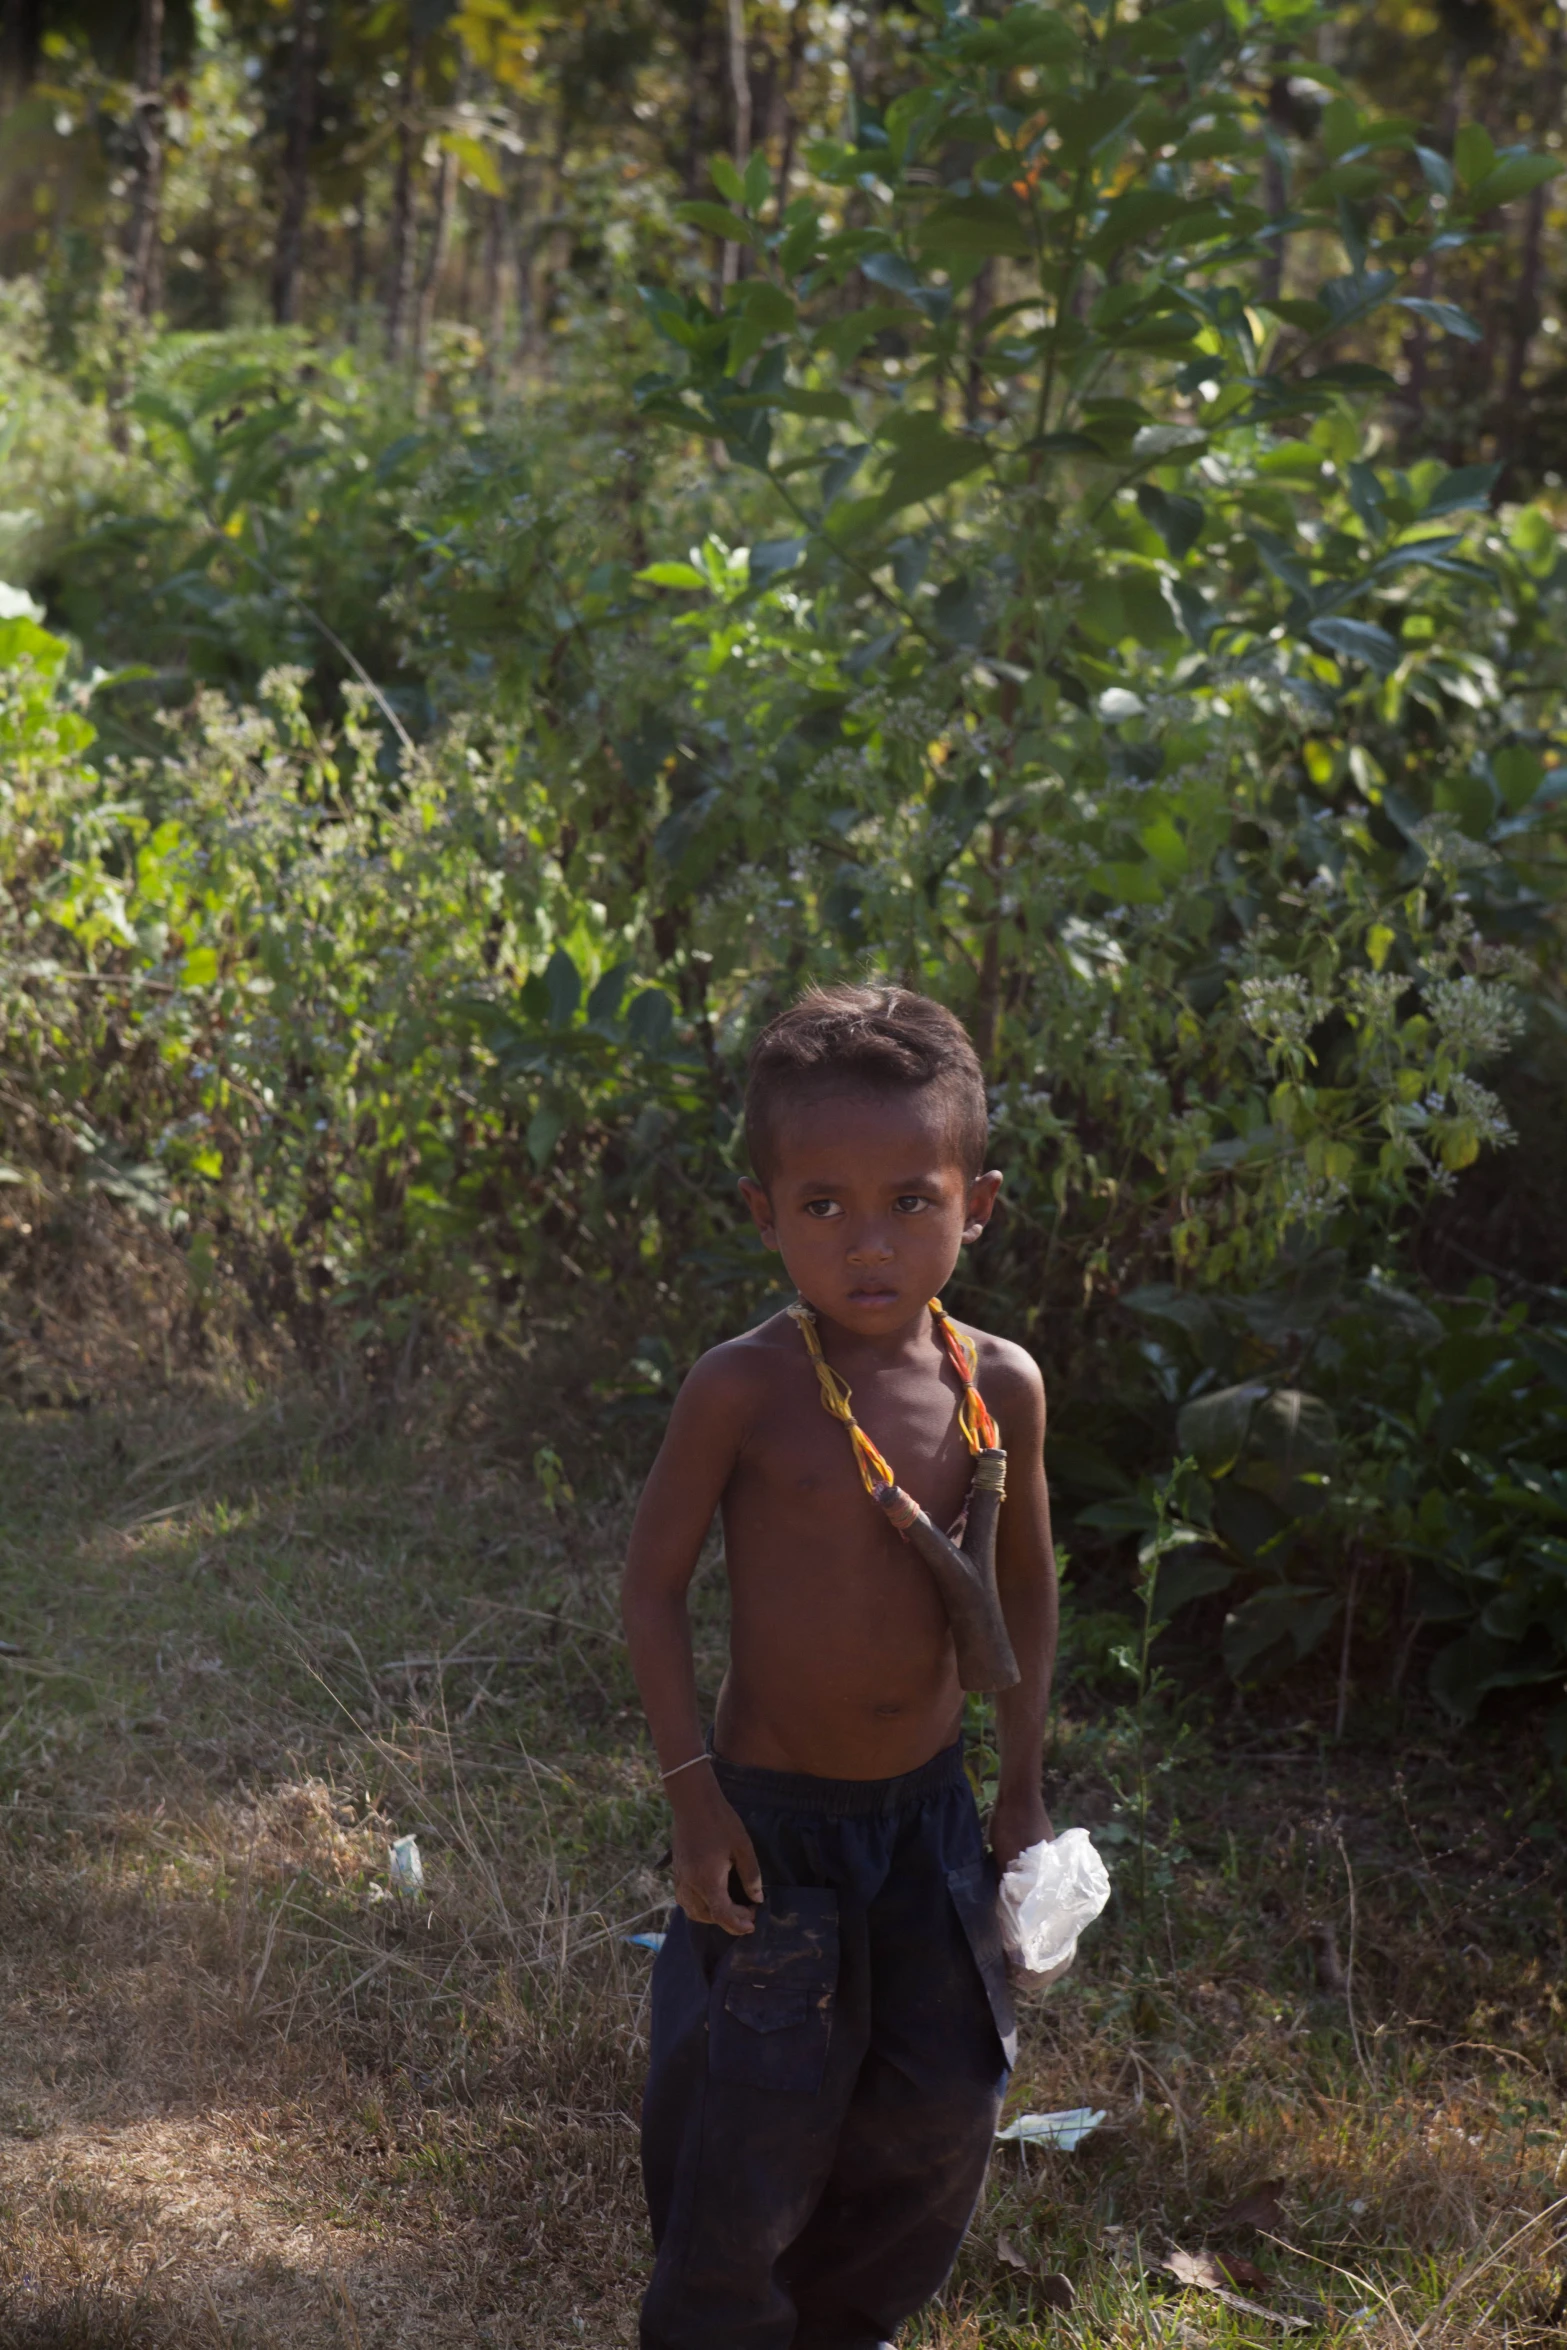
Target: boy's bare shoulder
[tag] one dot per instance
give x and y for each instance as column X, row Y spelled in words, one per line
column 744, row 1370
column 1009, row 1378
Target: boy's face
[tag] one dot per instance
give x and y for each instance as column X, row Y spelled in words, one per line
column 868, row 1205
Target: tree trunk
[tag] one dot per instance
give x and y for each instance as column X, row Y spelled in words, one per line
column 784, row 89
column 21, row 44
column 740, row 89
column 434, row 253
column 288, row 259
column 358, row 269
column 463, row 214
column 142, row 273
column 1524, row 323
column 986, row 1026
column 1275, row 185
column 524, row 241
column 693, row 179
column 402, row 256
column 981, row 302
column 492, row 296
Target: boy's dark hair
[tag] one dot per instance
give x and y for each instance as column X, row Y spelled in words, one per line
column 886, row 1039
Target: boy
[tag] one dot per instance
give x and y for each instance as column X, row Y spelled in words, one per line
column 831, row 2024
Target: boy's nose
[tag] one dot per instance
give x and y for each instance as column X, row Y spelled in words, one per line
column 870, row 1248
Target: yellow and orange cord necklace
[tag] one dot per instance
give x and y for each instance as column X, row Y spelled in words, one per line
column 979, row 1429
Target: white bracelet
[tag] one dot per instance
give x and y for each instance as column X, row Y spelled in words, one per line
column 685, row 1766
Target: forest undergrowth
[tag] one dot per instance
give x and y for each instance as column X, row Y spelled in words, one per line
column 251, row 2094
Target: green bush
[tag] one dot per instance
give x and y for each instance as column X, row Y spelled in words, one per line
column 1366, row 1465
column 1053, row 635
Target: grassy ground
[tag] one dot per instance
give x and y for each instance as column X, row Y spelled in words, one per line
column 249, row 2096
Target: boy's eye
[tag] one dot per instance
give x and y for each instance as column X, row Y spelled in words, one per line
column 821, row 1208
column 910, row 1203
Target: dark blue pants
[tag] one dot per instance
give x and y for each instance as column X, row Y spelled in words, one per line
column 823, row 2093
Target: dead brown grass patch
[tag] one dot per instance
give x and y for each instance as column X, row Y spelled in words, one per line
column 251, row 2095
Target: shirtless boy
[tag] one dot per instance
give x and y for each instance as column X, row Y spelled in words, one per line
column 831, row 2024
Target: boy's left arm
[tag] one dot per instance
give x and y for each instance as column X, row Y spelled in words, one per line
column 1026, row 1577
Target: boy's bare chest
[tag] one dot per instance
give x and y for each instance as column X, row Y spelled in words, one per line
column 799, row 1458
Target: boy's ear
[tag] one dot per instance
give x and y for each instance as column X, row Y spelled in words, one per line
column 981, row 1200
column 761, row 1208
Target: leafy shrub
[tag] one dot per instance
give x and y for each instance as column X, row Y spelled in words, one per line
column 1429, row 1494
column 1053, row 635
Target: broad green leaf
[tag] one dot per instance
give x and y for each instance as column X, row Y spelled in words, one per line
column 795, row 402
column 1436, row 171
column 1518, row 773
column 800, row 242
column 1024, row 36
column 1164, row 844
column 1357, row 640
column 1446, row 315
column 1354, row 178
column 1286, row 562
column 1165, row 32
column 1214, row 1428
column 1126, row 884
column 1187, row 1577
column 1221, row 138
column 727, row 180
column 1512, row 176
column 727, row 225
column 1101, row 612
column 1479, row 1662
column 1466, row 485
column 650, row 1021
column 673, row 575
column 1134, row 219
column 1346, row 299
column 545, row 1128
column 1391, row 131
column 1171, row 331
column 1473, row 153
column 1095, row 118
column 1280, row 1617
column 563, row 984
column 1152, row 442
column 1533, row 535
column 476, row 160
column 757, row 184
column 766, row 305
column 892, row 271
column 1128, row 1514
column 604, row 1003
column 1295, row 1431
column 1341, row 127
column 771, row 556
column 962, row 226
column 1310, row 317
column 1145, row 614
column 835, row 405
column 22, row 639
column 926, row 460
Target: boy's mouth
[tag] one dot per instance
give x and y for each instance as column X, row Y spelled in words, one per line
column 873, row 1293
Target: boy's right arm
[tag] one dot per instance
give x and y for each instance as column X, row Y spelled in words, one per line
column 673, row 1517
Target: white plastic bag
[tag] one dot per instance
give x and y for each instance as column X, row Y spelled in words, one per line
column 1048, row 1895
column 405, row 1866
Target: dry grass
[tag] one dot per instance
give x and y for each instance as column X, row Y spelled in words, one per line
column 250, row 2097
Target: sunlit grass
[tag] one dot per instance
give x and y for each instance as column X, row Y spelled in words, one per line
column 250, row 2095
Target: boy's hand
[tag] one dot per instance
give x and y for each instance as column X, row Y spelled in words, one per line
column 709, row 1840
column 1018, row 1821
